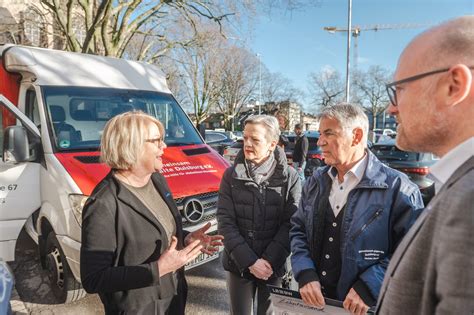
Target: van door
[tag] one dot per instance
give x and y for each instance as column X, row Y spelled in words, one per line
column 19, row 180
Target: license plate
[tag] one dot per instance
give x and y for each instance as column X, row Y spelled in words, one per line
column 203, row 258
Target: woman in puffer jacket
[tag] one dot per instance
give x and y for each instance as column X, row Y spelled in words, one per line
column 257, row 197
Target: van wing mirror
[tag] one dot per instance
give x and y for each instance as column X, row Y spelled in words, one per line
column 15, row 145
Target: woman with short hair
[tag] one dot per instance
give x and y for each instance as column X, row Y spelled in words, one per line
column 133, row 245
column 257, row 197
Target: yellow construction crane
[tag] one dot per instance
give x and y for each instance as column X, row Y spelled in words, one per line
column 356, row 31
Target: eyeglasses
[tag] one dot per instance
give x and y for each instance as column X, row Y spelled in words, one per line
column 157, row 141
column 392, row 87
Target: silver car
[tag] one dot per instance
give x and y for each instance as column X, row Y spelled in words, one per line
column 231, row 152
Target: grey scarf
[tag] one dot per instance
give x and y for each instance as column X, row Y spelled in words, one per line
column 260, row 173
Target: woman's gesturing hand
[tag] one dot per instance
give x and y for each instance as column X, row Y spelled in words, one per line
column 173, row 259
column 210, row 243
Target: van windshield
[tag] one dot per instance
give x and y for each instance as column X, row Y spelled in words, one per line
column 78, row 115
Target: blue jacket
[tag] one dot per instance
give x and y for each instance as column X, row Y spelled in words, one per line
column 379, row 211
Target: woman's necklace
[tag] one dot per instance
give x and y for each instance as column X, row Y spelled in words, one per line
column 127, row 181
column 137, row 190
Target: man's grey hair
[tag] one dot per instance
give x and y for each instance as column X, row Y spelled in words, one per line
column 349, row 117
column 270, row 123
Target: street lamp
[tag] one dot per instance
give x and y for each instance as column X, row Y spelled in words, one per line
column 349, row 27
column 259, row 83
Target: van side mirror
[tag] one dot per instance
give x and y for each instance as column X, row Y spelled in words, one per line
column 15, row 145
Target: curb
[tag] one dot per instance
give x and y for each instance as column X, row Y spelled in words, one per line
column 18, row 306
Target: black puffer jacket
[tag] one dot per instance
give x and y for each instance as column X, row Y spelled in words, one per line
column 255, row 219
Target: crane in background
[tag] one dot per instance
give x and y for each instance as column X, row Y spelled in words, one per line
column 356, row 31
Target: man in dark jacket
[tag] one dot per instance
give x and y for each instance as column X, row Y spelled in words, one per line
column 352, row 215
column 300, row 151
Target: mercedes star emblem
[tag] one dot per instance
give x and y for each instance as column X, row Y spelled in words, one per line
column 193, row 210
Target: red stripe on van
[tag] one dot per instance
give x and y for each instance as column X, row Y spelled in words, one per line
column 187, row 175
column 10, row 88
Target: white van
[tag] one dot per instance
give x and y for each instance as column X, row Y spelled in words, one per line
column 54, row 107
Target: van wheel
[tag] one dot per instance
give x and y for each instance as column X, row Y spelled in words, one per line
column 63, row 284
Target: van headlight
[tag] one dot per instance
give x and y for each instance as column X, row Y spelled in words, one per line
column 77, row 203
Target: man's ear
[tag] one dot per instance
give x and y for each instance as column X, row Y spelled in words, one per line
column 357, row 136
column 458, row 84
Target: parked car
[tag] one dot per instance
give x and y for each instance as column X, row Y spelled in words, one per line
column 314, row 159
column 385, row 132
column 218, row 140
column 414, row 164
column 234, row 135
column 231, row 152
column 379, row 135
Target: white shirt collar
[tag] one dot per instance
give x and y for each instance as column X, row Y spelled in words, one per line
column 357, row 170
column 445, row 167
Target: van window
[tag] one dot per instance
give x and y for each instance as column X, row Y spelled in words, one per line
column 78, row 115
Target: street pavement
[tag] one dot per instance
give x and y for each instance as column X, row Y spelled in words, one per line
column 207, row 290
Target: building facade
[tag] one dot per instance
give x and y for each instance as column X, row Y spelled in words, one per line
column 310, row 122
column 28, row 22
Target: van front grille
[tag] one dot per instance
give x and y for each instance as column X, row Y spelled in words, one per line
column 208, row 202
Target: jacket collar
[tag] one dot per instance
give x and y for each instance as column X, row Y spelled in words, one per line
column 374, row 174
column 127, row 197
column 462, row 170
column 279, row 175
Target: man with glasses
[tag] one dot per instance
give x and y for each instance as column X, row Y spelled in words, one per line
column 432, row 270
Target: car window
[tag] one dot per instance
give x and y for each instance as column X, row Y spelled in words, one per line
column 391, row 152
column 214, row 137
column 313, row 143
column 238, row 145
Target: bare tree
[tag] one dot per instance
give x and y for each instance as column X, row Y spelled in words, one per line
column 110, row 25
column 201, row 68
column 288, row 5
column 175, row 81
column 277, row 88
column 239, row 79
column 370, row 86
column 326, row 87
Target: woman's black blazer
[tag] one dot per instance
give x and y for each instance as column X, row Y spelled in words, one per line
column 121, row 243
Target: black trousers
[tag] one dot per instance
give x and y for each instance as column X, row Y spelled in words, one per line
column 170, row 306
column 244, row 293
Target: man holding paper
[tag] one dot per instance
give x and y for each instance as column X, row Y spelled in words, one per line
column 351, row 217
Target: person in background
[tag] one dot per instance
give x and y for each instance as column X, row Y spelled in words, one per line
column 432, row 98
column 282, row 140
column 352, row 215
column 257, row 197
column 300, row 151
column 133, row 246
